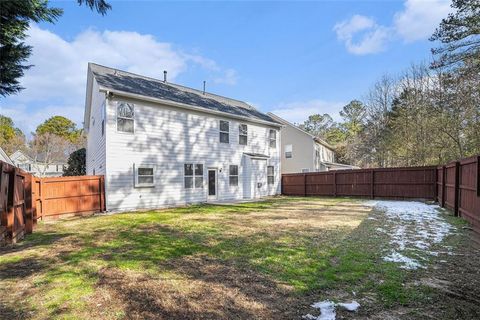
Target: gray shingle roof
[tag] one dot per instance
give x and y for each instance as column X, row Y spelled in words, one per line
column 132, row 83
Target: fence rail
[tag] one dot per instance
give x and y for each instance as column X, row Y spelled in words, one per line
column 455, row 185
column 24, row 199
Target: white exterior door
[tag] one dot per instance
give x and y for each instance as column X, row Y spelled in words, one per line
column 259, row 173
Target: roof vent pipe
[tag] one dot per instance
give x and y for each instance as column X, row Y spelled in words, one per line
column 164, row 75
column 204, row 83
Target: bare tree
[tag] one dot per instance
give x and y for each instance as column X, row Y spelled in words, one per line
column 48, row 149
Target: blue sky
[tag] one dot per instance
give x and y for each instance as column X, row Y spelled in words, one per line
column 293, row 58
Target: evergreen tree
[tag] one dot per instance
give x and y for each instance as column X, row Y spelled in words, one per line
column 15, row 18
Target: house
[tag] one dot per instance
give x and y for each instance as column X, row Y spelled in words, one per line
column 38, row 168
column 4, row 157
column 304, row 152
column 161, row 144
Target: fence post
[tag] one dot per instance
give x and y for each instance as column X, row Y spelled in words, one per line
column 457, row 188
column 435, row 186
column 304, row 184
column 478, row 176
column 372, row 191
column 34, row 200
column 102, row 193
column 444, row 187
column 11, row 204
column 28, row 189
column 334, row 183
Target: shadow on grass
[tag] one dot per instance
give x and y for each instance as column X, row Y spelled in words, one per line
column 249, row 272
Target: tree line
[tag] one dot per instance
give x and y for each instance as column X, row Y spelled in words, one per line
column 57, row 140
column 427, row 115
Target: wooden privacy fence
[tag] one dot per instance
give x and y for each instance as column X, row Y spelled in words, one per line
column 455, row 185
column 458, row 188
column 396, row 183
column 24, row 199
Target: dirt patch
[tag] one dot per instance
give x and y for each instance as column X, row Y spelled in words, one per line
column 197, row 287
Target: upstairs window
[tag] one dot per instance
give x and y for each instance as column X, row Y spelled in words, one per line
column 288, row 151
column 242, row 134
column 233, row 175
column 272, row 137
column 193, row 175
column 270, row 175
column 144, row 176
column 125, row 117
column 224, row 131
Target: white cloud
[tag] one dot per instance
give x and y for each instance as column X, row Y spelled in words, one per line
column 58, row 77
column 297, row 112
column 419, row 18
column 416, row 21
column 362, row 35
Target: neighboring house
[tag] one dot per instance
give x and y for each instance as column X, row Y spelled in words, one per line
column 160, row 144
column 37, row 168
column 303, row 152
column 4, row 157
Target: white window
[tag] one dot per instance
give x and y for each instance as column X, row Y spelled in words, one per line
column 125, row 117
column 272, row 137
column 193, row 176
column 242, row 134
column 224, row 131
column 233, row 175
column 270, row 175
column 144, row 176
column 288, row 151
column 305, row 170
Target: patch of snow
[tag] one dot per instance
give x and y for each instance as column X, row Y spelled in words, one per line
column 407, row 263
column 415, row 227
column 352, row 306
column 327, row 309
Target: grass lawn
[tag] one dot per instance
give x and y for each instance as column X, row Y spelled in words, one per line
column 269, row 259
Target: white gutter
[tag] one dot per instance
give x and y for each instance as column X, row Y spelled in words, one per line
column 186, row 106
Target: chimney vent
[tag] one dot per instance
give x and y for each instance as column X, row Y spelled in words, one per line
column 164, row 75
column 204, row 83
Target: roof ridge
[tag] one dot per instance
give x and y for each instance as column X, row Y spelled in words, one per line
column 200, row 92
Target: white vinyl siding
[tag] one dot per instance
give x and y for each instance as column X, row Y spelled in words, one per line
column 169, row 138
column 96, row 141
